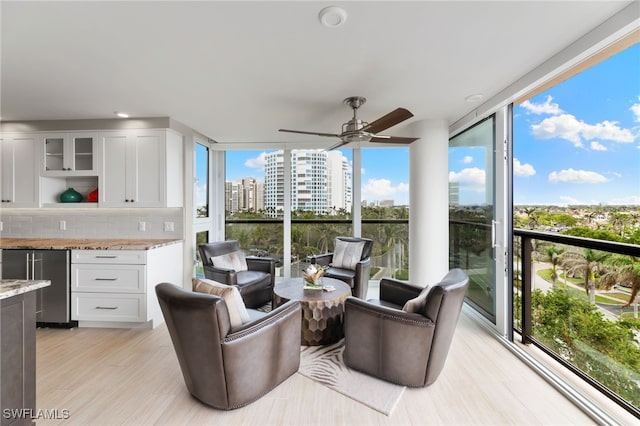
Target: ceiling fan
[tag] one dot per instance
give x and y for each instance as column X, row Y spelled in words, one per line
column 356, row 130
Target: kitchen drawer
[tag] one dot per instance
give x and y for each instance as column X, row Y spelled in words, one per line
column 120, row 307
column 131, row 257
column 108, row 278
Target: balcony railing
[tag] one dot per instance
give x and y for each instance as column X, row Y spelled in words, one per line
column 264, row 237
column 572, row 300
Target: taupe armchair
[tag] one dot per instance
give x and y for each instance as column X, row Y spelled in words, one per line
column 223, row 367
column 354, row 272
column 255, row 283
column 407, row 348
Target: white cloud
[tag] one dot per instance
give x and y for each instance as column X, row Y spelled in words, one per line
column 597, row 146
column 363, row 171
column 544, row 108
column 258, row 162
column 570, row 200
column 467, row 159
column 520, row 169
column 576, row 176
column 472, row 179
column 568, row 127
column 376, row 189
column 635, row 109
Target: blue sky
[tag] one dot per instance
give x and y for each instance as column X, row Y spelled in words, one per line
column 576, row 143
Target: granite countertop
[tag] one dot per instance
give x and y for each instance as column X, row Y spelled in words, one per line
column 9, row 288
column 83, row 244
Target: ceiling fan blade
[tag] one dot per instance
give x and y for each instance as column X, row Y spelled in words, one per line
column 393, row 139
column 338, row 145
column 383, row 123
column 335, row 135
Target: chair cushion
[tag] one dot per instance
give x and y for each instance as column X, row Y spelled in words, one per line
column 238, row 314
column 347, row 254
column 234, row 260
column 416, row 305
column 348, row 276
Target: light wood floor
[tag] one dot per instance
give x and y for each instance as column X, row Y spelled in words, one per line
column 111, row 376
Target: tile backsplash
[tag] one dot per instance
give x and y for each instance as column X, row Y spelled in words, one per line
column 141, row 223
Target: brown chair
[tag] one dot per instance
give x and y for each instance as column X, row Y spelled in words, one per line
column 223, row 367
column 356, row 274
column 255, row 283
column 407, row 348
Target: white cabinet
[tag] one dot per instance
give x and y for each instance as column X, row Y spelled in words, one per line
column 141, row 168
column 70, row 154
column 19, row 178
column 116, row 288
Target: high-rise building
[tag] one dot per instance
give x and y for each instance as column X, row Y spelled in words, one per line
column 320, row 182
column 246, row 194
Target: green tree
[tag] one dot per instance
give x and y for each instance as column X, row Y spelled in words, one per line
column 623, row 270
column 585, row 264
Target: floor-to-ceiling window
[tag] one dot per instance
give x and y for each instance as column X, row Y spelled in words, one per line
column 254, row 202
column 385, row 209
column 202, row 223
column 472, row 211
column 577, row 174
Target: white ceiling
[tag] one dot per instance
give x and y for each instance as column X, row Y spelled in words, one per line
column 238, row 71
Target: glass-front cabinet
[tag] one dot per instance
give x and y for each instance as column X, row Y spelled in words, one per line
column 70, row 154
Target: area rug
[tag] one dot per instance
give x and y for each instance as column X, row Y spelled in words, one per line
column 324, row 364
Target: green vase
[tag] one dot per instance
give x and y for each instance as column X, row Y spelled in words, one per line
column 70, row 196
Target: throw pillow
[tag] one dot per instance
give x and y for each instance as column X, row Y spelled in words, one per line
column 416, row 305
column 347, row 254
column 234, row 260
column 238, row 314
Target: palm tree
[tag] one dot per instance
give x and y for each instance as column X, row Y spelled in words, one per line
column 624, row 269
column 552, row 254
column 586, row 263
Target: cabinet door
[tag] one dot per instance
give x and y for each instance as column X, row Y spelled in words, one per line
column 19, row 159
column 70, row 154
column 146, row 171
column 113, row 185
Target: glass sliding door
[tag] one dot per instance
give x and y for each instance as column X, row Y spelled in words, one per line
column 472, row 212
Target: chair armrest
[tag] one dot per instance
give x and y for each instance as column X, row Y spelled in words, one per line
column 262, row 354
column 264, row 264
column 321, row 259
column 398, row 292
column 224, row 276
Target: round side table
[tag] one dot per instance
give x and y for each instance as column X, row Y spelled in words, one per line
column 322, row 311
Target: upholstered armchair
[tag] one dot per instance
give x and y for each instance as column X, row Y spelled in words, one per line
column 223, row 366
column 404, row 337
column 254, row 276
column 350, row 262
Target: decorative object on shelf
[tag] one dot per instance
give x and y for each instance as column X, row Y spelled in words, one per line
column 70, row 196
column 92, row 197
column 312, row 277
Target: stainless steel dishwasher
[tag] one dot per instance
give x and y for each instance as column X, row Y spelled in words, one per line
column 53, row 302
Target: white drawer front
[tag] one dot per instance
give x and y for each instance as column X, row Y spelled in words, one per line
column 131, row 257
column 108, row 307
column 108, row 278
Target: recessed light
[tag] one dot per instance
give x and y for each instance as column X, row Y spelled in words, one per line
column 476, row 97
column 121, row 114
column 332, row 16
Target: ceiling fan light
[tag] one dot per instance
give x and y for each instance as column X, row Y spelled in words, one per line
column 332, row 16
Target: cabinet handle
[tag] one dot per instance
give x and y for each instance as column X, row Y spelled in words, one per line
column 111, row 308
column 106, row 279
column 99, row 256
